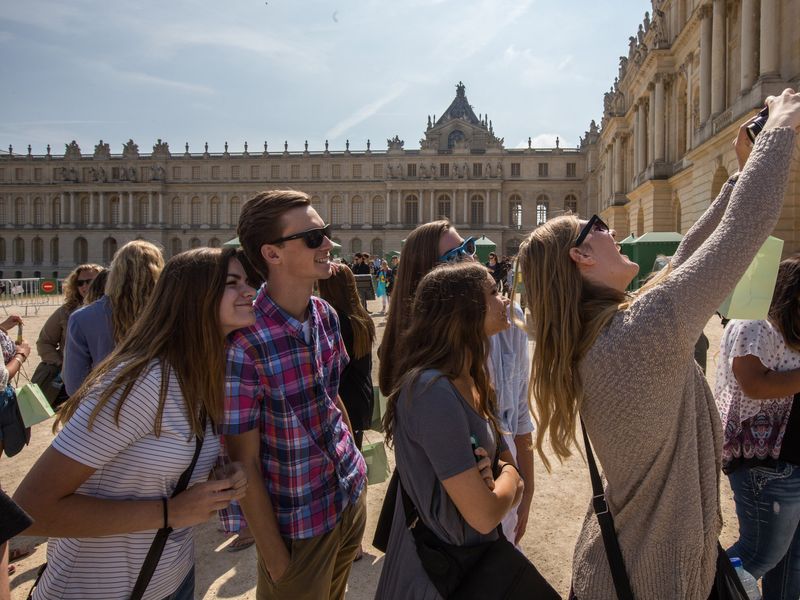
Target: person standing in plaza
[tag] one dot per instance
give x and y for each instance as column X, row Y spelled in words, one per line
column 508, row 364
column 624, row 366
column 284, row 420
column 383, row 278
column 361, row 266
column 93, row 331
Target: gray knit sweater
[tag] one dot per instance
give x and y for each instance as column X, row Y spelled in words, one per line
column 648, row 410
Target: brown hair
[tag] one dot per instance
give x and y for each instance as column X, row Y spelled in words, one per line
column 72, row 294
column 445, row 332
column 784, row 310
column 97, row 289
column 420, row 254
column 179, row 328
column 134, row 271
column 341, row 291
column 261, row 222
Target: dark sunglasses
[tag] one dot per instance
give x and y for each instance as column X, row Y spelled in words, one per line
column 83, row 282
column 313, row 237
column 467, row 248
column 594, row 224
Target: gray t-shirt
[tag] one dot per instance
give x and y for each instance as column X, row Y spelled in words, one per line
column 433, row 425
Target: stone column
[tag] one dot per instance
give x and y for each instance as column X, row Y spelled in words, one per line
column 102, row 201
column 151, row 210
column 433, row 205
column 161, row 203
column 486, row 208
column 705, row 63
column 651, row 125
column 659, row 118
column 617, row 158
column 348, row 215
column 748, row 44
column 718, row 43
column 386, row 216
column 421, row 212
column 770, row 38
column 499, row 207
column 689, row 104
column 71, row 212
column 638, row 140
column 466, row 206
column 130, row 209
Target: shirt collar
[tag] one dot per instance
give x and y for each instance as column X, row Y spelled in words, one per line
column 272, row 311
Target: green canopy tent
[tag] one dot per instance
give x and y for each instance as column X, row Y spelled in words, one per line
column 391, row 254
column 483, row 246
column 647, row 247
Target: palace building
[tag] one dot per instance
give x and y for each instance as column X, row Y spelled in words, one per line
column 695, row 70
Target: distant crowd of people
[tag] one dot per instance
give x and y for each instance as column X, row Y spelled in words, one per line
column 239, row 382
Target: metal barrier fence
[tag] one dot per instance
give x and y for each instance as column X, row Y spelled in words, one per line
column 30, row 293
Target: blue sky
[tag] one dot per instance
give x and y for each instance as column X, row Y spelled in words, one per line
column 249, row 70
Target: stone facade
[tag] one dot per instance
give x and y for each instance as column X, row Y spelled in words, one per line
column 695, row 71
column 56, row 211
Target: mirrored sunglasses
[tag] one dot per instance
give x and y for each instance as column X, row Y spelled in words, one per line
column 467, row 248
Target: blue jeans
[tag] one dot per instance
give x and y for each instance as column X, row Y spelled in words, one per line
column 186, row 589
column 768, row 507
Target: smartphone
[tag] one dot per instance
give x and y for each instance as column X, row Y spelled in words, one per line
column 474, row 441
column 756, row 126
column 19, row 333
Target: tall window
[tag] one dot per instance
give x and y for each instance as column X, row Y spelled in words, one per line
column 2, row 211
column 85, row 213
column 571, row 169
column 195, row 172
column 80, row 251
column 444, row 208
column 411, row 170
column 316, row 204
column 56, row 212
column 336, row 210
column 195, row 243
column 515, row 170
column 144, row 211
column 355, row 245
column 235, row 172
column 215, row 172
column 38, row 250
column 377, row 171
column 356, row 171
column 571, row 204
column 19, row 251
column 176, row 212
column 314, row 171
column 378, row 211
column 38, row 212
column 196, row 211
column 215, row 212
column 444, row 169
column 235, row 210
column 515, row 211
column 214, row 243
column 115, row 208
column 54, row 251
column 357, row 211
column 255, row 172
column 176, row 173
column 295, row 171
column 336, row 171
column 543, row 169
column 411, row 212
column 175, row 246
column 476, row 210
column 109, row 249
column 377, row 246
column 477, row 169
column 275, row 172
column 19, row 211
column 542, row 209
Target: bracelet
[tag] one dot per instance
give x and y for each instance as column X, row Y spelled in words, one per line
column 19, row 360
column 166, row 512
column 513, row 466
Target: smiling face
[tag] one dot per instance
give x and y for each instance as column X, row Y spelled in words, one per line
column 600, row 260
column 496, row 319
column 293, row 259
column 236, row 305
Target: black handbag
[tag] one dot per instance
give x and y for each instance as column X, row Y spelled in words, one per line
column 15, row 434
column 483, row 571
column 727, row 585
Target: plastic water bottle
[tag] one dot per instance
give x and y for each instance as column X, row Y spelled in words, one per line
column 748, row 581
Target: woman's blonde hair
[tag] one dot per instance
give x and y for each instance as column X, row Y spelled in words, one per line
column 134, row 272
column 180, row 328
column 446, row 331
column 72, row 294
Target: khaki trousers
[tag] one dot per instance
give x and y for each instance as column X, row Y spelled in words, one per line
column 318, row 567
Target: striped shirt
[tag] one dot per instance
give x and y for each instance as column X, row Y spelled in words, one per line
column 286, row 387
column 130, row 462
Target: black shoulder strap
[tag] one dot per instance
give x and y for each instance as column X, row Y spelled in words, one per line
column 160, row 540
column 613, row 552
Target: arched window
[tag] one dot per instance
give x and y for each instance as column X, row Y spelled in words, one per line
column 355, row 245
column 177, row 217
column 85, row 212
column 55, row 216
column 37, row 248
column 214, row 243
column 515, row 211
column 542, row 209
column 19, row 251
column 115, row 209
column 336, row 210
column 571, row 204
column 195, row 243
column 356, row 211
column 378, row 210
column 38, row 212
column 144, row 210
column 377, row 247
column 175, row 246
column 235, row 210
column 512, row 246
column 80, row 251
column 196, row 212
column 109, row 249
column 411, row 210
column 316, row 204
column 444, row 207
column 214, row 206
column 19, row 211
column 2, row 211
column 54, row 251
column 476, row 210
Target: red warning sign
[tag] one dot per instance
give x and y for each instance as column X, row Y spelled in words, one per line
column 48, row 286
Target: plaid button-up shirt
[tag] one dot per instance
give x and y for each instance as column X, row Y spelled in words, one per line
column 287, row 388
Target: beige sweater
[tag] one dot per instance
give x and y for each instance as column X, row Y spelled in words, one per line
column 648, row 410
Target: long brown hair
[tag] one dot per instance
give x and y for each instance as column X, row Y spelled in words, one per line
column 180, row 328
column 784, row 310
column 72, row 294
column 420, row 254
column 134, row 271
column 341, row 291
column 446, row 331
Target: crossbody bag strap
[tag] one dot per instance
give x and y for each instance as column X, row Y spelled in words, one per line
column 613, row 552
column 160, row 539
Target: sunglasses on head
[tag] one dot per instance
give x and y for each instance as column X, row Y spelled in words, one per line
column 593, row 224
column 467, row 248
column 82, row 282
column 312, row 237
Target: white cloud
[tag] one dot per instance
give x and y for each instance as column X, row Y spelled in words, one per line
column 366, row 111
column 140, row 78
column 548, row 140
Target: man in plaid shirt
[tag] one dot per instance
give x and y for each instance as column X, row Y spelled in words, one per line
column 284, row 419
